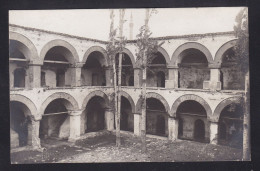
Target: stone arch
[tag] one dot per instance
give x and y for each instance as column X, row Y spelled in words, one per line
column 190, row 97
column 99, row 49
column 165, row 55
column 70, row 102
column 156, row 96
column 222, row 105
column 33, row 55
column 190, row 45
column 223, row 49
column 62, row 43
column 129, row 98
column 130, row 54
column 95, row 93
column 26, row 101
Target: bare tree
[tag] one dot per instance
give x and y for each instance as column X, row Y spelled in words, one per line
column 114, row 46
column 146, row 48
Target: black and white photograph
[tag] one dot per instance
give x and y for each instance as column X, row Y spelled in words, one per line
column 129, row 85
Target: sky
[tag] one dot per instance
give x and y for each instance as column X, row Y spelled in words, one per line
column 95, row 23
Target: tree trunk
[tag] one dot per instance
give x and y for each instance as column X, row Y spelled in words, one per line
column 246, row 124
column 118, row 141
column 144, row 62
column 143, row 123
column 121, row 22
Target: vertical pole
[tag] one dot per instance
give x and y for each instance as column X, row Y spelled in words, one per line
column 121, row 22
column 246, row 124
column 144, row 61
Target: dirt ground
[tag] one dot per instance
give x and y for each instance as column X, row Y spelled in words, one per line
column 102, row 149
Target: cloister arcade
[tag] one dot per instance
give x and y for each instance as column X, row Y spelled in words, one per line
column 61, row 89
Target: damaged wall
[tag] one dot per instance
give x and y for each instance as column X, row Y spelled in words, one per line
column 152, row 123
column 191, row 77
column 189, row 127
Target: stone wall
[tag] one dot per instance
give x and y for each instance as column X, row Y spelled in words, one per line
column 193, row 77
column 189, row 125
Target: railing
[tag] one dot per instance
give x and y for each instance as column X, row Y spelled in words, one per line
column 133, row 88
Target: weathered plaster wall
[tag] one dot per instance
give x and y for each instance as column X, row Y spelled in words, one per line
column 193, row 77
column 233, row 79
column 151, row 122
column 189, row 125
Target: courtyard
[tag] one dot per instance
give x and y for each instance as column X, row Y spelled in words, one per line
column 100, row 147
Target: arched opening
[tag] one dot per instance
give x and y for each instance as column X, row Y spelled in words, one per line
column 56, row 67
column 180, row 128
column 19, row 57
column 199, row 130
column 43, row 79
column 233, row 78
column 19, row 77
column 193, row 69
column 93, row 71
column 156, row 71
column 127, row 74
column 20, row 125
column 127, row 117
column 191, row 114
column 230, row 129
column 160, row 79
column 131, row 81
column 55, row 121
column 95, row 114
column 157, row 118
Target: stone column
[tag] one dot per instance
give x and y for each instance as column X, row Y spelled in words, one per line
column 137, row 77
column 213, row 132
column 75, row 75
column 172, row 81
column 214, row 82
column 74, row 125
column 109, row 119
column 109, row 76
column 173, row 128
column 34, row 75
column 137, row 124
column 35, row 128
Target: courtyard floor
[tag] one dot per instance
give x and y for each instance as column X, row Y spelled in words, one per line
column 101, row 148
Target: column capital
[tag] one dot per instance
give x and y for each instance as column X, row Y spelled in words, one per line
column 36, row 117
column 77, row 65
column 109, row 67
column 35, row 63
column 214, row 65
column 75, row 112
column 137, row 68
column 172, row 67
column 137, row 113
column 108, row 109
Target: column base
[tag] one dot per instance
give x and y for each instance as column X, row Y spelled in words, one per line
column 210, row 85
column 137, row 124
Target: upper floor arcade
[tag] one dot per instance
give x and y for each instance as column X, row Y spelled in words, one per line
column 41, row 58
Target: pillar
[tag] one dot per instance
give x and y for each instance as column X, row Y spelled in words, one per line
column 74, row 125
column 109, row 76
column 213, row 132
column 35, row 128
column 172, row 81
column 214, row 83
column 137, row 124
column 109, row 119
column 75, row 75
column 173, row 128
column 137, row 77
column 34, row 75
